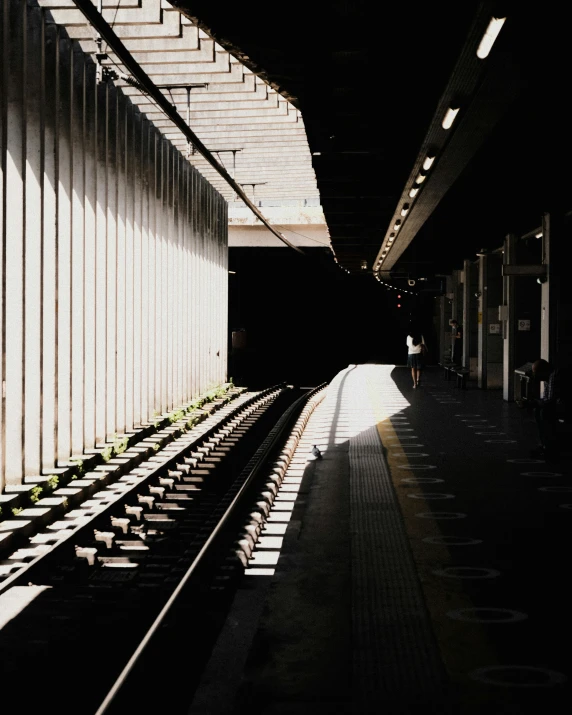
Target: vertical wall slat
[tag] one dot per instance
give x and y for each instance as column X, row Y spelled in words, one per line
column 3, row 83
column 152, row 280
column 120, row 267
column 168, row 283
column 177, row 303
column 186, row 327
column 160, row 165
column 50, row 91
column 77, row 267
column 101, row 260
column 14, row 173
column 114, row 288
column 90, row 255
column 112, row 211
column 63, row 233
column 128, row 263
column 137, row 253
column 165, row 215
column 33, row 243
column 145, row 298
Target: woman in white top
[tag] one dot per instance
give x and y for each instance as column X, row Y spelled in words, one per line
column 416, row 348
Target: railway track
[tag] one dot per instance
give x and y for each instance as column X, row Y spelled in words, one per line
column 122, row 615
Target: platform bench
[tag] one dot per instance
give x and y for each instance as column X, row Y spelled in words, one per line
column 462, row 377
column 449, row 369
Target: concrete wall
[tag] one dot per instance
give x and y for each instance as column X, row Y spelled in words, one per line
column 114, row 257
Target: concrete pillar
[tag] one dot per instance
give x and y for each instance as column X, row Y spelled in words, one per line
column 470, row 316
column 444, row 329
column 482, row 308
column 490, row 338
column 549, row 295
column 457, row 279
column 562, row 298
column 508, row 319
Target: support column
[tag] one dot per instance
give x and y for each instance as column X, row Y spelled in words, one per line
column 508, row 319
column 549, row 295
column 561, row 354
column 482, row 309
column 443, row 328
column 457, row 280
column 490, row 339
column 470, row 317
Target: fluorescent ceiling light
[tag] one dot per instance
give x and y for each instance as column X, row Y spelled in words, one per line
column 449, row 118
column 404, row 209
column 413, row 191
column 420, row 178
column 428, row 163
column 491, row 34
column 396, row 225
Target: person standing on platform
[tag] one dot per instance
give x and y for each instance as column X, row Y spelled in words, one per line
column 416, row 350
column 456, row 342
column 547, row 410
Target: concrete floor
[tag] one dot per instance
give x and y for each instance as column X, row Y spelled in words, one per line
column 423, row 568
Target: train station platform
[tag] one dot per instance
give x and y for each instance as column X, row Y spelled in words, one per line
column 419, row 565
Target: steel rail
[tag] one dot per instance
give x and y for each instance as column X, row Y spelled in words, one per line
column 267, row 446
column 96, row 20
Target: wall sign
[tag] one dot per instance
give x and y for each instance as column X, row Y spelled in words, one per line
column 494, row 328
column 524, row 324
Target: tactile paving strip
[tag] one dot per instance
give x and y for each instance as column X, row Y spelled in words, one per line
column 395, row 657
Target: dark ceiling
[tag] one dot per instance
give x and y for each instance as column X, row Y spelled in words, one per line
column 371, row 81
